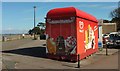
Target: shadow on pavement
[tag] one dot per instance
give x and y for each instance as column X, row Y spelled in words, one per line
column 31, row 51
column 39, row 52
column 113, row 47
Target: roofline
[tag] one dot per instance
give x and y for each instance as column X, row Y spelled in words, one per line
column 76, row 14
column 87, row 19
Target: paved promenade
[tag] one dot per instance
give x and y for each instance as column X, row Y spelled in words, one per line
column 30, row 54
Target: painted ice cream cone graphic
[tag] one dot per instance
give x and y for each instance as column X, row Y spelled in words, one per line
column 51, row 46
column 60, row 44
column 89, row 38
column 70, row 44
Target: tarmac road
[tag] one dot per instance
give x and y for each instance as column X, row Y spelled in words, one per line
column 27, row 54
column 30, row 54
column 110, row 62
column 8, row 45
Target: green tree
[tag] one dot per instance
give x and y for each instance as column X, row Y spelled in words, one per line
column 39, row 29
column 30, row 32
column 106, row 21
column 115, row 14
column 36, row 30
column 41, row 25
column 42, row 30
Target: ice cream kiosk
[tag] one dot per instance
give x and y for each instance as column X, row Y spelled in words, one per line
column 70, row 32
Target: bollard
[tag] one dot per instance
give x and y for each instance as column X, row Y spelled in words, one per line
column 4, row 38
column 106, row 49
column 78, row 60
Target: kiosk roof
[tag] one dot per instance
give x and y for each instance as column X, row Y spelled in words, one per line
column 70, row 12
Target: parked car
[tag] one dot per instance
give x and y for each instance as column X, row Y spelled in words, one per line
column 105, row 38
column 42, row 36
column 113, row 40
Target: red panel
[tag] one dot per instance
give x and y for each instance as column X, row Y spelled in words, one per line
column 87, row 37
column 65, row 30
column 68, row 12
column 83, row 33
column 55, row 30
column 80, row 37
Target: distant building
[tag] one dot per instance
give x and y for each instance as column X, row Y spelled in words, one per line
column 107, row 27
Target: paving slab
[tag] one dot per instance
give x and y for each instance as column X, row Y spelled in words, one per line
column 8, row 64
column 110, row 51
column 20, row 60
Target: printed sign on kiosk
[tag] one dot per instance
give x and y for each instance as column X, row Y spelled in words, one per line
column 71, row 32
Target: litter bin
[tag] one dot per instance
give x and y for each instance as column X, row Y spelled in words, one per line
column 42, row 37
column 4, row 38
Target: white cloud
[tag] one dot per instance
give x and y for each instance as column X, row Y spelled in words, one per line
column 28, row 10
column 9, row 28
column 97, row 6
column 28, row 19
column 87, row 5
column 14, row 31
column 109, row 7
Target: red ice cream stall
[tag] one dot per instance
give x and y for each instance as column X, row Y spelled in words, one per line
column 70, row 32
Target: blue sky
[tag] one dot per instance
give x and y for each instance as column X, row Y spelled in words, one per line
column 59, row 0
column 17, row 17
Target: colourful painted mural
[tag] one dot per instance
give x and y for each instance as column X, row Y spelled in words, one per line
column 61, row 46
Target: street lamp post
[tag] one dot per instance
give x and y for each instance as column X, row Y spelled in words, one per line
column 34, row 20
